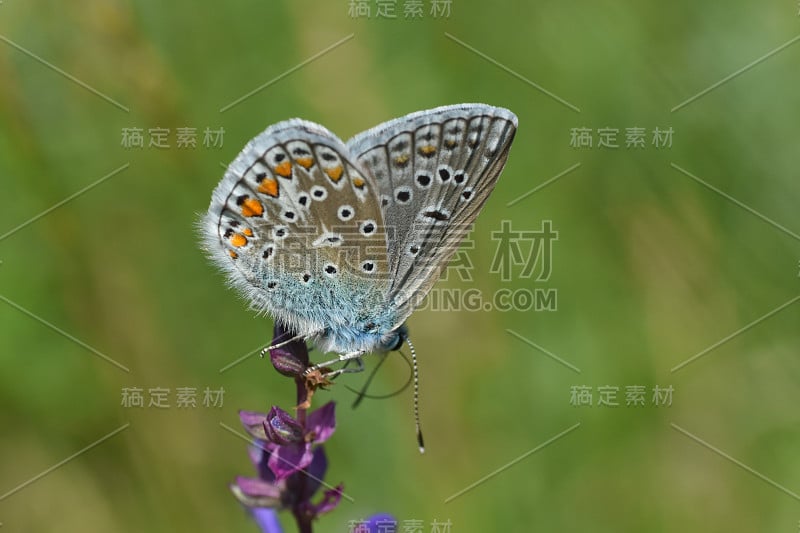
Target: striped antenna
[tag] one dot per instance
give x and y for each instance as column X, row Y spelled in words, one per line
column 420, row 441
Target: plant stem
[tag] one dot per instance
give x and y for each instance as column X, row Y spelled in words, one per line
column 303, row 521
column 302, row 396
column 302, row 518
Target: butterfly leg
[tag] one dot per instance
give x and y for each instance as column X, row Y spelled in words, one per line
column 343, row 358
column 346, row 370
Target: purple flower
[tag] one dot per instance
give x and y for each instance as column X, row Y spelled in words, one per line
column 281, row 428
column 254, row 492
column 379, row 523
column 287, row 451
column 289, row 442
column 267, row 520
column 321, row 423
column 287, row 460
column 293, row 492
column 253, row 423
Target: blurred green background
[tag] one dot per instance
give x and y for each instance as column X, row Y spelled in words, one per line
column 651, row 266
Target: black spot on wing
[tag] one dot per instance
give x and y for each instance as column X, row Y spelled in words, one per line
column 436, row 214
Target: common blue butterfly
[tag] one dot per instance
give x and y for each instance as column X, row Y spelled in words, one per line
column 341, row 241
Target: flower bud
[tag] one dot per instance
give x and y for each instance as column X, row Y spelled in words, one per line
column 287, row 361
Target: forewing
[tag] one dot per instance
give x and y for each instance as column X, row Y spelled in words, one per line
column 298, row 228
column 434, row 170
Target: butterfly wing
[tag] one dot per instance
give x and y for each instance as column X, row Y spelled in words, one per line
column 298, row 228
column 434, row 170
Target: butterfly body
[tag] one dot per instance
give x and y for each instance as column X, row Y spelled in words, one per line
column 340, row 242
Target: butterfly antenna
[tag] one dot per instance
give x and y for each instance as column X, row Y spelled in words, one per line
column 420, row 441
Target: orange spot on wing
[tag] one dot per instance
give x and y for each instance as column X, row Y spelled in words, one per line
column 305, row 162
column 238, row 240
column 427, row 150
column 358, row 182
column 269, row 186
column 334, row 173
column 284, row 169
column 248, row 232
column 234, row 255
column 252, row 208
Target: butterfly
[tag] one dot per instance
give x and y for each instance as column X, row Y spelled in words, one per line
column 339, row 242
